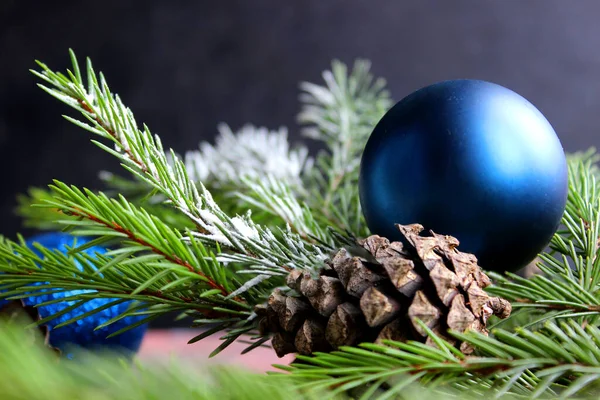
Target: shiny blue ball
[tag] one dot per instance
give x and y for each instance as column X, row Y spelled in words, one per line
column 82, row 333
column 470, row 159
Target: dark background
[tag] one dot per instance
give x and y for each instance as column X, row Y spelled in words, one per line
column 184, row 66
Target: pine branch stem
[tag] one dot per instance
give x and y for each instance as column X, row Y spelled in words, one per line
column 209, row 313
column 141, row 165
column 172, row 258
column 144, row 168
column 88, row 108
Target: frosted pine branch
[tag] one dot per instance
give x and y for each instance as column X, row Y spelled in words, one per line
column 252, row 152
column 341, row 114
column 260, row 167
column 346, row 109
column 142, row 153
column 276, row 196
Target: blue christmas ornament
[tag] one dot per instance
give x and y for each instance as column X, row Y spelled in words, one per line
column 470, row 159
column 82, row 333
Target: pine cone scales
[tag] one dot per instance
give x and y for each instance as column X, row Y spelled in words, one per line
column 381, row 294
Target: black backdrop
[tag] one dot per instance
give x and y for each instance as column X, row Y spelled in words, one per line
column 184, row 66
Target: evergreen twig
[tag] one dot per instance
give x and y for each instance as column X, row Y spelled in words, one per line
column 559, row 361
column 341, row 114
column 33, row 373
column 142, row 154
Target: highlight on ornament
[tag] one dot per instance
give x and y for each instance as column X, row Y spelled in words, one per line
column 385, row 263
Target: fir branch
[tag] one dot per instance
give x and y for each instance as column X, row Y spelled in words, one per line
column 341, row 114
column 559, row 361
column 260, row 168
column 243, row 162
column 157, row 283
column 142, row 154
column 251, row 153
column 141, row 194
column 164, row 268
column 252, row 169
column 252, row 162
column 121, row 219
column 35, row 215
column 33, row 373
column 276, row 197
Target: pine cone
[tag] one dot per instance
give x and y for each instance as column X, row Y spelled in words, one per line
column 380, row 294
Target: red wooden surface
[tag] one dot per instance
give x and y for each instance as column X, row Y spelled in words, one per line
column 160, row 345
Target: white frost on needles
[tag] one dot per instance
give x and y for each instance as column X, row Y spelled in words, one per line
column 252, row 152
column 245, row 228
